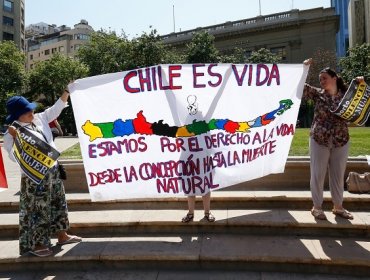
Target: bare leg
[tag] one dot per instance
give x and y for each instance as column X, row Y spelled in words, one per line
column 207, row 202
column 191, row 206
column 207, row 208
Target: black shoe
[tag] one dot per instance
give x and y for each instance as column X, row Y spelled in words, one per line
column 209, row 217
column 188, row 218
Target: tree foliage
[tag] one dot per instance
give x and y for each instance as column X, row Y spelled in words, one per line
column 321, row 59
column 48, row 80
column 109, row 53
column 12, row 74
column 50, row 77
column 263, row 56
column 356, row 63
column 236, row 56
column 149, row 50
column 106, row 53
column 201, row 49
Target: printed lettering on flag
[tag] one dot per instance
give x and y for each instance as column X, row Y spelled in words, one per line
column 355, row 105
column 34, row 156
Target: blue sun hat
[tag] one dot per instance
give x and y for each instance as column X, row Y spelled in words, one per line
column 17, row 106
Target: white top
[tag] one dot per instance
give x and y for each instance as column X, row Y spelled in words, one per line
column 41, row 120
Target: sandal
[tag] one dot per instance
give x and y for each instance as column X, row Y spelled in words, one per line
column 343, row 213
column 71, row 239
column 42, row 252
column 209, row 217
column 188, row 218
column 318, row 214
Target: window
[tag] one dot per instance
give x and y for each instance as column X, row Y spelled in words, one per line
column 8, row 36
column 279, row 51
column 47, row 52
column 81, row 37
column 247, row 54
column 8, row 6
column 31, row 56
column 61, row 49
column 8, row 21
column 53, row 50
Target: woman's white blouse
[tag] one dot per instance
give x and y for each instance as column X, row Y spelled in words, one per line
column 41, row 120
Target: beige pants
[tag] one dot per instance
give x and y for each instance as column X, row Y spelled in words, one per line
column 324, row 158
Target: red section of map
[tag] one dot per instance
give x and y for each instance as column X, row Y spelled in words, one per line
column 141, row 126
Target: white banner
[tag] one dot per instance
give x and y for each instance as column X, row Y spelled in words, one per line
column 173, row 130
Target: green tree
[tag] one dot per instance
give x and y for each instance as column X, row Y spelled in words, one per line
column 148, row 50
column 236, row 56
column 321, row 59
column 109, row 53
column 263, row 56
column 12, row 74
column 201, row 49
column 48, row 79
column 106, row 53
column 356, row 63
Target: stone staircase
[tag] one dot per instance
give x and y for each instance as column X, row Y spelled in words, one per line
column 263, row 228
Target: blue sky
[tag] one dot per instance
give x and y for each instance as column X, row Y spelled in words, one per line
column 136, row 16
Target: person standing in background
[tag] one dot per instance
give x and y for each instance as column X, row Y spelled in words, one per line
column 56, row 129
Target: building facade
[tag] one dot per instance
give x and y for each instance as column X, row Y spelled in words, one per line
column 293, row 35
column 65, row 41
column 359, row 22
column 39, row 29
column 341, row 8
column 12, row 25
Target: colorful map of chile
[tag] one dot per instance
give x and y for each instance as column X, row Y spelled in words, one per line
column 139, row 125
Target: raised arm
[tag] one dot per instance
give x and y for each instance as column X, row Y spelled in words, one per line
column 65, row 95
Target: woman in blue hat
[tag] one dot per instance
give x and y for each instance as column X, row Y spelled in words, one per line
column 43, row 207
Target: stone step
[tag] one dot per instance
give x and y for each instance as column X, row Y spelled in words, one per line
column 262, row 225
column 185, row 273
column 249, row 221
column 253, row 199
column 225, row 252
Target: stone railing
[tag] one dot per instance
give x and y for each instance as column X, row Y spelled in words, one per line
column 234, row 25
